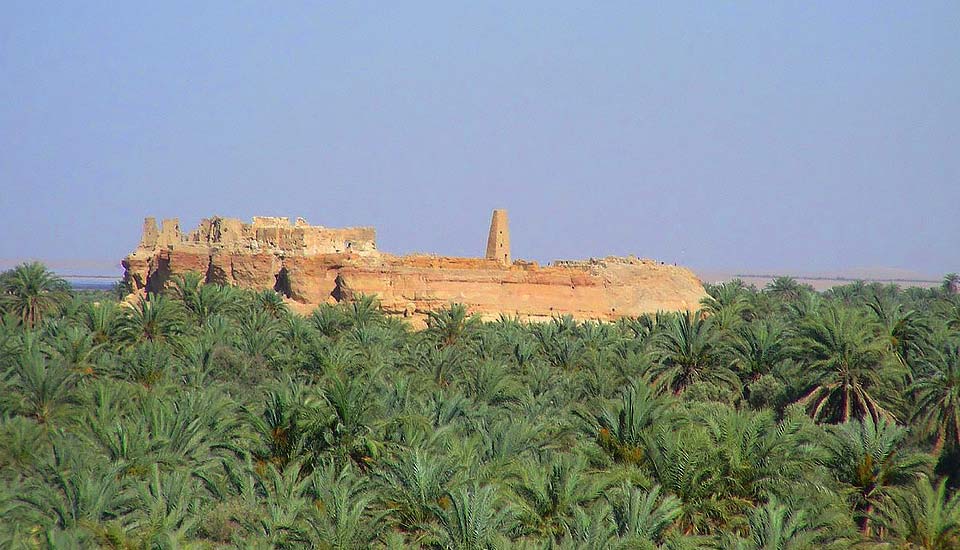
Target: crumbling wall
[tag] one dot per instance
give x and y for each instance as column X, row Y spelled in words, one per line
column 170, row 233
column 228, row 251
column 150, row 233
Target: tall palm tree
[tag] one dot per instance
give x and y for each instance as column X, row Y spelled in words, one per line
column 45, row 387
column 753, row 456
column 451, row 325
column 73, row 493
column 474, row 519
column 688, row 352
column 363, row 311
column 785, row 288
column 415, row 483
column 551, row 492
column 165, row 512
column 278, row 427
column 848, row 367
column 927, row 517
column 186, row 286
column 903, row 331
column 342, row 423
column 777, row 526
column 728, row 303
column 152, row 318
column 203, row 301
column 621, row 430
column 31, row 292
column 937, row 391
column 272, row 303
column 868, row 457
column 759, row 346
column 101, row 319
column 644, row 516
column 344, row 517
column 77, row 349
column 681, row 462
column 257, row 336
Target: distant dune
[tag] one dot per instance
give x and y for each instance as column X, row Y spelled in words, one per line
column 822, row 280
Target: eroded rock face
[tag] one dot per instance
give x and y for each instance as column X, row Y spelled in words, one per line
column 312, row 265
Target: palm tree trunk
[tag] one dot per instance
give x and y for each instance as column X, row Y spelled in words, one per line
column 938, row 444
column 846, row 403
column 866, row 520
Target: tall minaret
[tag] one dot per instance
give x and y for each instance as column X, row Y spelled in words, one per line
column 498, row 243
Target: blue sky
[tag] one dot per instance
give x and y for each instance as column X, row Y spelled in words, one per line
column 723, row 135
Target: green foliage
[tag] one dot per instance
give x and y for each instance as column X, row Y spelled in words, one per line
column 212, row 417
column 30, row 292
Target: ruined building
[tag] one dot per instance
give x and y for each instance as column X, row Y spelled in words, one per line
column 311, row 265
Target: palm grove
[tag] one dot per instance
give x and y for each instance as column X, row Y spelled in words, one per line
column 212, row 417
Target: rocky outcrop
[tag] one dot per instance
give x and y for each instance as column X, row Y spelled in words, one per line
column 311, row 265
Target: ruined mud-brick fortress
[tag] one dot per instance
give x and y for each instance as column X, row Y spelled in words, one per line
column 311, row 265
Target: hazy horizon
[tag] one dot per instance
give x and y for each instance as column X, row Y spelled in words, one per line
column 749, row 136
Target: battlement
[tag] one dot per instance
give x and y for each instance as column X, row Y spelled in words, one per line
column 603, row 262
column 264, row 234
column 271, row 221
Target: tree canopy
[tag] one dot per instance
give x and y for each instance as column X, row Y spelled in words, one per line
column 213, row 417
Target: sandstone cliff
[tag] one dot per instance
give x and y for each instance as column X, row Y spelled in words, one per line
column 311, row 265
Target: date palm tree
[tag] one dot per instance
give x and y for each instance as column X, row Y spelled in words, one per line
column 474, row 519
column 30, row 291
column 343, row 502
column 154, row 318
column 341, row 425
column 415, row 483
column 75, row 494
column 785, row 288
column 186, row 286
column 644, row 516
column 926, row 517
column 451, row 325
column 937, row 391
column 688, row 352
column 165, row 511
column 77, row 349
column 551, row 492
column 728, row 303
column 758, row 347
column 848, row 367
column 277, row 428
column 868, row 456
column 364, row 311
column 101, row 319
column 778, row 526
column 621, row 430
column 272, row 303
column 45, row 387
column 903, row 331
column 203, row 301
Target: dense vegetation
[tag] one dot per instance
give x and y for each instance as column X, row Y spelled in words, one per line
column 212, row 417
